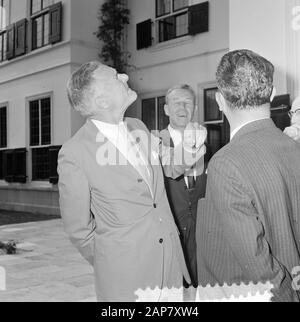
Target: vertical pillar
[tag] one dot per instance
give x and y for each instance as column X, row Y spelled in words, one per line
column 293, row 46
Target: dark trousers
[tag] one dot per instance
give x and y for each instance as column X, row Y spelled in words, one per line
column 188, row 241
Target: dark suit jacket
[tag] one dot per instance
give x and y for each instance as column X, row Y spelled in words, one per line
column 184, row 205
column 248, row 227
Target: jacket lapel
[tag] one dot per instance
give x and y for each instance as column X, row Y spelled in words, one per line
column 100, row 139
column 143, row 140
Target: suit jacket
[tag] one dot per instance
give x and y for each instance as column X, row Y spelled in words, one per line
column 184, row 203
column 110, row 215
column 248, row 227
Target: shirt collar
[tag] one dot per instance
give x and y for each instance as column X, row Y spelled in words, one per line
column 111, row 131
column 175, row 135
column 235, row 131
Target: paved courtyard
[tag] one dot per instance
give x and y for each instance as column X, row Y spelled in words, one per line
column 48, row 269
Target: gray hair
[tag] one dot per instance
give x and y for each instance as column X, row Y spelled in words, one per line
column 180, row 87
column 79, row 85
column 245, row 79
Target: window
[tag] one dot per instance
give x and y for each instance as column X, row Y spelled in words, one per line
column 3, row 127
column 217, row 125
column 212, row 113
column 39, row 5
column 40, row 137
column 3, row 137
column 153, row 113
column 1, row 164
column 4, row 14
column 2, row 46
column 4, row 21
column 173, row 19
column 46, row 24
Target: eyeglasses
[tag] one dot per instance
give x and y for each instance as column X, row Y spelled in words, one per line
column 292, row 113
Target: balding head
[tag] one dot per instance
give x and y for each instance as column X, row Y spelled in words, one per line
column 80, row 85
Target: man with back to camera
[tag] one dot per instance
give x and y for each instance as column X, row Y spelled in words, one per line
column 185, row 191
column 117, row 214
column 248, row 227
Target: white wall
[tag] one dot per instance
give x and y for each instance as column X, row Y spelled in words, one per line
column 47, row 69
column 191, row 60
column 16, row 94
column 260, row 25
column 18, row 10
column 84, row 21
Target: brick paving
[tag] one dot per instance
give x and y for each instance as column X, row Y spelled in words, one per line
column 48, row 269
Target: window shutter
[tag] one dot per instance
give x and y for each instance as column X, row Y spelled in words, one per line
column 1, row 165
column 53, row 156
column 10, row 39
column 20, row 37
column 8, row 165
column 55, row 23
column 20, row 165
column 199, row 18
column 144, row 34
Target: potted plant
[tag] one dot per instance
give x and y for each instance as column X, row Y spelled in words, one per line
column 113, row 17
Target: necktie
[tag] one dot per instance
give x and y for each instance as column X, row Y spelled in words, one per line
column 191, row 182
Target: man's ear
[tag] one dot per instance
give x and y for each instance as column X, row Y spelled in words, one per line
column 101, row 102
column 195, row 110
column 221, row 101
column 166, row 108
column 274, row 92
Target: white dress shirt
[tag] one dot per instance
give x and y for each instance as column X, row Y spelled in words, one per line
column 121, row 138
column 177, row 140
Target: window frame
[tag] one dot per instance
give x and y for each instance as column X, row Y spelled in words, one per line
column 219, row 119
column 164, row 14
column 42, row 8
column 29, row 147
column 36, row 15
column 155, row 96
column 8, row 18
column 174, row 14
column 186, row 7
column 42, row 15
column 5, row 104
column 3, row 56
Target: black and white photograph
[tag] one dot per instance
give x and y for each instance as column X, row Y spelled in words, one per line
column 149, row 153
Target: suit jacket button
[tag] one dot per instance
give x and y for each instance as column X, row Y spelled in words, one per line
column 140, row 180
column 161, row 241
column 155, row 205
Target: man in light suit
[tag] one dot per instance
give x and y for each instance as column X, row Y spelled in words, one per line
column 112, row 196
column 248, row 227
column 185, row 191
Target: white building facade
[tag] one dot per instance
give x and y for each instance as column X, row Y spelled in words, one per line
column 42, row 42
column 170, row 42
column 182, row 41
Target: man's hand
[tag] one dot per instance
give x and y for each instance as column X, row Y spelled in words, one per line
column 194, row 136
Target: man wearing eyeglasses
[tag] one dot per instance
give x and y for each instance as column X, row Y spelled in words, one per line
column 294, row 130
